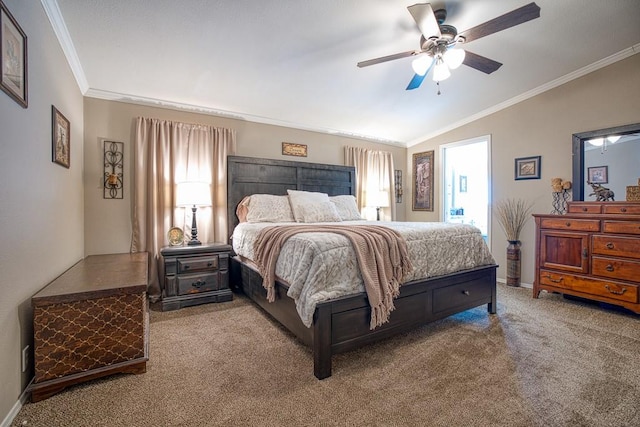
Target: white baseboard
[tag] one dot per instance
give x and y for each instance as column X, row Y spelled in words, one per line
column 522, row 285
column 16, row 408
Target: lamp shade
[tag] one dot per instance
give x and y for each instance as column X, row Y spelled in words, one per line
column 454, row 58
column 421, row 64
column 193, row 193
column 378, row 199
column 440, row 71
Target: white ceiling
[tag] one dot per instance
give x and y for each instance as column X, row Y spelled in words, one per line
column 293, row 62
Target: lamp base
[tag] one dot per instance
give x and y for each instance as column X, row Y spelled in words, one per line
column 194, row 242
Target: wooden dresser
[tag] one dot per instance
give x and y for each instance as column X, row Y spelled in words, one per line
column 90, row 322
column 592, row 252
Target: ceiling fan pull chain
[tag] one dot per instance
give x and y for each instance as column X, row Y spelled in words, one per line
column 438, row 83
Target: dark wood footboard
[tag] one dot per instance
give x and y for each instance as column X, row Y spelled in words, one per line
column 342, row 324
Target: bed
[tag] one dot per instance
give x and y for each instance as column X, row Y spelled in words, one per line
column 342, row 324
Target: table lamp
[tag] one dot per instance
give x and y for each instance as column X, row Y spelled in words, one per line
column 378, row 199
column 194, row 194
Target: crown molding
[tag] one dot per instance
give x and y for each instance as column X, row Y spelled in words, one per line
column 154, row 102
column 623, row 54
column 60, row 29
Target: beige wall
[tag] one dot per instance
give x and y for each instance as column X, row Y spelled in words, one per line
column 108, row 222
column 42, row 210
column 542, row 125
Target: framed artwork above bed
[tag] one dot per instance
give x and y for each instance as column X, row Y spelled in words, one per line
column 423, row 181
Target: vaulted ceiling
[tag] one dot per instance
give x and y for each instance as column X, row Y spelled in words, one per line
column 293, row 63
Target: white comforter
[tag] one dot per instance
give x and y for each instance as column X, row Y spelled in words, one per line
column 322, row 266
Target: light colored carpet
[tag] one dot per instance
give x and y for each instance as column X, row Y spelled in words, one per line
column 546, row 362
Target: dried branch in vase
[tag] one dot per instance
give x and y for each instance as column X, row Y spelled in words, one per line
column 512, row 216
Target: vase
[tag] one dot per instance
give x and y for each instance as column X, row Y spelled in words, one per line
column 513, row 263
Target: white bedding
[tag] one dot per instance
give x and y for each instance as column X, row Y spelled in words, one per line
column 322, row 266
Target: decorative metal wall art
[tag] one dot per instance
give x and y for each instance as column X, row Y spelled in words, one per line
column 397, row 182
column 113, row 169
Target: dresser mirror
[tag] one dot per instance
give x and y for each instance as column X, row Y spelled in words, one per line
column 611, row 155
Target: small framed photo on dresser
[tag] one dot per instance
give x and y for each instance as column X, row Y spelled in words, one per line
column 598, row 175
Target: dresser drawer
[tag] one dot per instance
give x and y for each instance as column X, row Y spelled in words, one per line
column 625, row 209
column 197, row 283
column 460, row 295
column 584, row 208
column 616, row 268
column 593, row 286
column 621, row 227
column 570, row 224
column 207, row 263
column 628, row 247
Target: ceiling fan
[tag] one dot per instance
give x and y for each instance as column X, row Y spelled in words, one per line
column 439, row 41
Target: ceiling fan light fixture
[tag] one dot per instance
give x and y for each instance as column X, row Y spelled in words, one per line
column 613, row 138
column 454, row 58
column 421, row 64
column 440, row 71
column 596, row 142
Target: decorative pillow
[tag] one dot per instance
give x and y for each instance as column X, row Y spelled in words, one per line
column 269, row 208
column 242, row 209
column 347, row 207
column 312, row 207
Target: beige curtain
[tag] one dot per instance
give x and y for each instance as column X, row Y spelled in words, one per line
column 374, row 172
column 166, row 153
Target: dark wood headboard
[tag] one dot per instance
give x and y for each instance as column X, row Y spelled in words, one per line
column 249, row 175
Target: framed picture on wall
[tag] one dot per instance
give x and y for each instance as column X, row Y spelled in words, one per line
column 13, row 57
column 423, row 181
column 598, row 175
column 60, row 138
column 528, row 168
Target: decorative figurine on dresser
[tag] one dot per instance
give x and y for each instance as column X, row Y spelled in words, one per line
column 591, row 252
column 194, row 275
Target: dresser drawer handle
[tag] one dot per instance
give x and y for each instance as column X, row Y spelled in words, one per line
column 198, row 284
column 609, row 245
column 465, row 292
column 551, row 279
column 209, row 264
column 584, row 209
column 615, row 292
column 186, row 267
column 568, row 224
column 609, row 267
column 623, row 209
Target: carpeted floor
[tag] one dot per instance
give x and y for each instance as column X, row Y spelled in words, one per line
column 546, row 362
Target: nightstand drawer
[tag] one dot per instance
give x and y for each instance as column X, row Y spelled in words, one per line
column 197, row 283
column 207, row 263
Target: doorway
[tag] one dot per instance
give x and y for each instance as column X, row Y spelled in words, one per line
column 465, row 179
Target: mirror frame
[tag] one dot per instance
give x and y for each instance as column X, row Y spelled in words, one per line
column 578, row 152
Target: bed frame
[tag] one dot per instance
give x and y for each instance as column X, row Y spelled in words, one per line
column 342, row 324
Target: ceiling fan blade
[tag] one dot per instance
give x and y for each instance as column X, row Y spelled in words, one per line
column 502, row 22
column 417, row 79
column 387, row 58
column 426, row 20
column 480, row 63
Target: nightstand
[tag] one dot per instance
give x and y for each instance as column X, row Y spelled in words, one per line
column 195, row 275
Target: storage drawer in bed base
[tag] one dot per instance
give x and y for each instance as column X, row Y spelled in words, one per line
column 342, row 324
